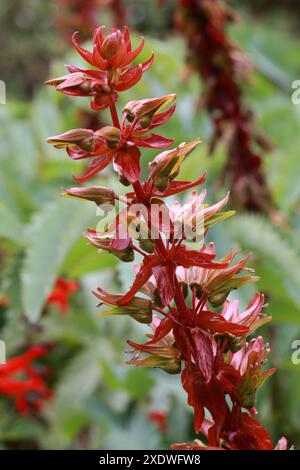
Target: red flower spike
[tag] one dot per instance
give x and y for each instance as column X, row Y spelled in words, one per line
column 222, row 66
column 185, row 285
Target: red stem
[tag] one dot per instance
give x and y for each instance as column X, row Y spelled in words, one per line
column 178, row 297
column 138, row 189
column 114, row 115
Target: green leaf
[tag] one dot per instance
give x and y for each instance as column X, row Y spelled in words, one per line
column 52, row 234
column 10, row 227
column 178, row 414
column 110, row 377
column 137, row 434
column 278, row 263
column 79, row 379
column 138, row 382
column 83, row 259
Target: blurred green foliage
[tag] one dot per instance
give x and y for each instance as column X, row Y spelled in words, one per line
column 29, row 40
column 98, row 401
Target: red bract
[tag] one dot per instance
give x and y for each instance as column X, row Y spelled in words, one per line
column 163, row 171
column 163, row 266
column 24, row 382
column 161, row 350
column 179, row 288
column 60, row 294
column 119, row 144
column 217, row 284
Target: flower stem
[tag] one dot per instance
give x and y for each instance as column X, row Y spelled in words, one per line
column 114, row 115
column 140, row 194
column 179, row 298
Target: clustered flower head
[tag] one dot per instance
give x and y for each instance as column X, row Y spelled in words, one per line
column 180, row 288
column 112, row 72
column 221, row 66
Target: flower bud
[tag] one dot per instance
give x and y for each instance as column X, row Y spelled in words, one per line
column 197, row 289
column 125, row 254
column 249, row 362
column 138, row 230
column 123, row 180
column 161, row 183
column 147, row 245
column 76, row 83
column 218, row 296
column 111, row 44
column 138, row 308
column 83, row 138
column 98, row 194
column 233, row 343
column 171, row 365
column 144, row 110
column 218, row 299
column 145, row 121
column 111, row 135
column 167, row 164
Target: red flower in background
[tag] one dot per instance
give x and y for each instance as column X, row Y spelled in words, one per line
column 4, row 301
column 83, row 15
column 24, row 382
column 60, row 294
column 159, row 418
